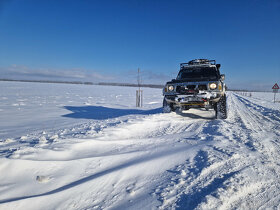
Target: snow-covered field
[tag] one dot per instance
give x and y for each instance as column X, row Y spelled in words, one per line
column 87, row 147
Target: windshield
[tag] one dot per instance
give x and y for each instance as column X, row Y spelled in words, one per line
column 198, row 73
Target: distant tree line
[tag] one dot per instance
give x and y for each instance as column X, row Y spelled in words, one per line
column 86, row 83
column 130, row 85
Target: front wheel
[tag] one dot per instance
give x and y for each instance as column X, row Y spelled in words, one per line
column 221, row 108
column 167, row 108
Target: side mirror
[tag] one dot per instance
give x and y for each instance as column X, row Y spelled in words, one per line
column 218, row 66
column 223, row 77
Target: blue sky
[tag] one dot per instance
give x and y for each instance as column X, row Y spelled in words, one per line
column 108, row 40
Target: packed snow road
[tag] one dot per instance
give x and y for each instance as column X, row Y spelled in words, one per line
column 121, row 158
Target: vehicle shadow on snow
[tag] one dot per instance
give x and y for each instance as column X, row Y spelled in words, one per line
column 203, row 114
column 102, row 113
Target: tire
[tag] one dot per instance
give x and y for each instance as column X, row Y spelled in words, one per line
column 221, row 108
column 167, row 108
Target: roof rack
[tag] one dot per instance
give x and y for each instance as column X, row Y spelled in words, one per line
column 197, row 62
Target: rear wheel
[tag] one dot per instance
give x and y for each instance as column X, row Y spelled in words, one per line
column 221, row 108
column 167, row 108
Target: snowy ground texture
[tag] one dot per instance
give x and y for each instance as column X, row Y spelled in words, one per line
column 87, row 147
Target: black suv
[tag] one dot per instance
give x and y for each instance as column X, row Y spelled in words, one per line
column 199, row 84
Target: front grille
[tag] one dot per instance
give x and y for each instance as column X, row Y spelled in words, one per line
column 202, row 87
column 191, row 87
column 180, row 89
column 188, row 89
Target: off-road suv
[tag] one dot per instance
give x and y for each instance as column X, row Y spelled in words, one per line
column 199, row 84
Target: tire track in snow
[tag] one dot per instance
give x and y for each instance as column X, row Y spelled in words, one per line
column 220, row 175
column 264, row 115
column 262, row 159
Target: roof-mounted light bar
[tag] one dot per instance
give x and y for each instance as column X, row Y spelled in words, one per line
column 198, row 62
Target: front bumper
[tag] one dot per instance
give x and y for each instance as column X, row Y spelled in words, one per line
column 193, row 94
column 205, row 99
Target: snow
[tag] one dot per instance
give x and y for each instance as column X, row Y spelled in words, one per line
column 66, row 146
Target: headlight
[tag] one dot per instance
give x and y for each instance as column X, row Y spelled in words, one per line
column 213, row 86
column 171, row 88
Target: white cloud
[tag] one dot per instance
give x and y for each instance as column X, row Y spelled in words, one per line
column 23, row 72
column 251, row 85
column 146, row 77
